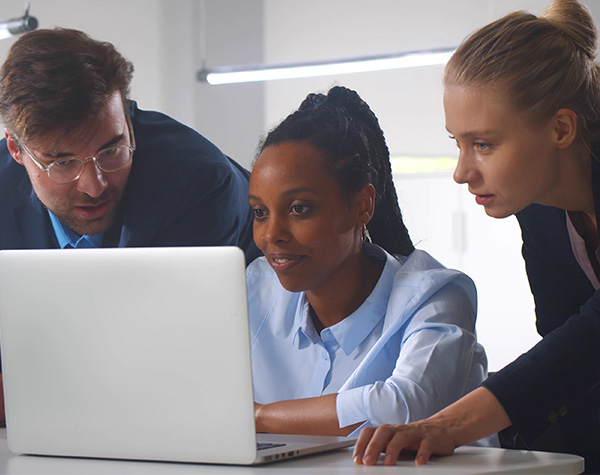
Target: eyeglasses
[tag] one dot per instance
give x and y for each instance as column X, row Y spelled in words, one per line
column 68, row 170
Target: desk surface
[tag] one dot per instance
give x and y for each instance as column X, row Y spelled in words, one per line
column 466, row 460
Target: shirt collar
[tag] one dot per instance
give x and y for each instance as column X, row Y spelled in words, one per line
column 67, row 237
column 352, row 330
column 305, row 329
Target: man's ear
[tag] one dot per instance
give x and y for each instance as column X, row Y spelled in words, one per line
column 365, row 202
column 13, row 147
column 564, row 127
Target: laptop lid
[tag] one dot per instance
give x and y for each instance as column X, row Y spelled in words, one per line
column 133, row 353
column 127, row 353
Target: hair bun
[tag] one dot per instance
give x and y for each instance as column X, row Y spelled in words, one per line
column 575, row 21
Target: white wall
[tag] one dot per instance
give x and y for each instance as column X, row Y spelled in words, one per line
column 131, row 25
column 232, row 116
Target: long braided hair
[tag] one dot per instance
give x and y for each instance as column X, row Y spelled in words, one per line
column 342, row 125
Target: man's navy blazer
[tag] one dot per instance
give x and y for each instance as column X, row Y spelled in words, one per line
column 182, row 191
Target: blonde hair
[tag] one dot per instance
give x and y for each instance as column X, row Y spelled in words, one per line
column 542, row 63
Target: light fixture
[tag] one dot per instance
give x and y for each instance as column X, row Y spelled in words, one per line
column 237, row 74
column 16, row 26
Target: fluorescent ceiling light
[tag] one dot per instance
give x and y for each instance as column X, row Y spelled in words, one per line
column 16, row 26
column 234, row 74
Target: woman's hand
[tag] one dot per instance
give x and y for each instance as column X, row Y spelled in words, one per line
column 475, row 416
column 422, row 437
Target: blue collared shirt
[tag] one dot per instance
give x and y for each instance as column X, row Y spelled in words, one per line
column 67, row 237
column 408, row 351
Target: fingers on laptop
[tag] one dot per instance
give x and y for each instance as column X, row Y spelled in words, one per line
column 392, row 440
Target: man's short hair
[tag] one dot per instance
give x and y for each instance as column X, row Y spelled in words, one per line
column 57, row 79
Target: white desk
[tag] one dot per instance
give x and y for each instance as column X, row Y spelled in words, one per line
column 466, row 460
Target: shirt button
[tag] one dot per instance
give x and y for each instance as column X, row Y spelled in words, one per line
column 562, row 411
column 552, row 417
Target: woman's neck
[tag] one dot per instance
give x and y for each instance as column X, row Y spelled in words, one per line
column 574, row 191
column 334, row 301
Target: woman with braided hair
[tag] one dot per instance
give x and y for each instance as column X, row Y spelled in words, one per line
column 350, row 325
column 522, row 102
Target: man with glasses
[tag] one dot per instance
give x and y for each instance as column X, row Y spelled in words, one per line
column 82, row 166
column 82, row 196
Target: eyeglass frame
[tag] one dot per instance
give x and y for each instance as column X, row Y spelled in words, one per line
column 84, row 161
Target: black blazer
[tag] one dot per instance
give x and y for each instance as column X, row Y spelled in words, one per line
column 552, row 392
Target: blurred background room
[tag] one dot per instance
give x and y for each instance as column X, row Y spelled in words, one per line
column 170, row 41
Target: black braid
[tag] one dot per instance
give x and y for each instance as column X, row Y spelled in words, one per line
column 343, row 126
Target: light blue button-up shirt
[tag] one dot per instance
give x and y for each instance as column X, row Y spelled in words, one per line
column 408, row 351
column 67, row 237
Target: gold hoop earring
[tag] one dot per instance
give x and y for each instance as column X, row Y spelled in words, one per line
column 366, row 236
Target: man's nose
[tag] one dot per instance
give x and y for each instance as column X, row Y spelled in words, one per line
column 92, row 181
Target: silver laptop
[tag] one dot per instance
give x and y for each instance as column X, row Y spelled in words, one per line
column 133, row 354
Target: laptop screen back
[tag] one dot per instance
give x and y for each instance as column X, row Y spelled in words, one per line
column 127, row 353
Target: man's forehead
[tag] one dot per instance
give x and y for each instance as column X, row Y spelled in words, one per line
column 66, row 138
column 71, row 135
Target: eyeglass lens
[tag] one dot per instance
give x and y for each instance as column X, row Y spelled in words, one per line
column 107, row 160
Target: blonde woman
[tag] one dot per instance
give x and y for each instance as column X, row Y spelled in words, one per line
column 522, row 101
